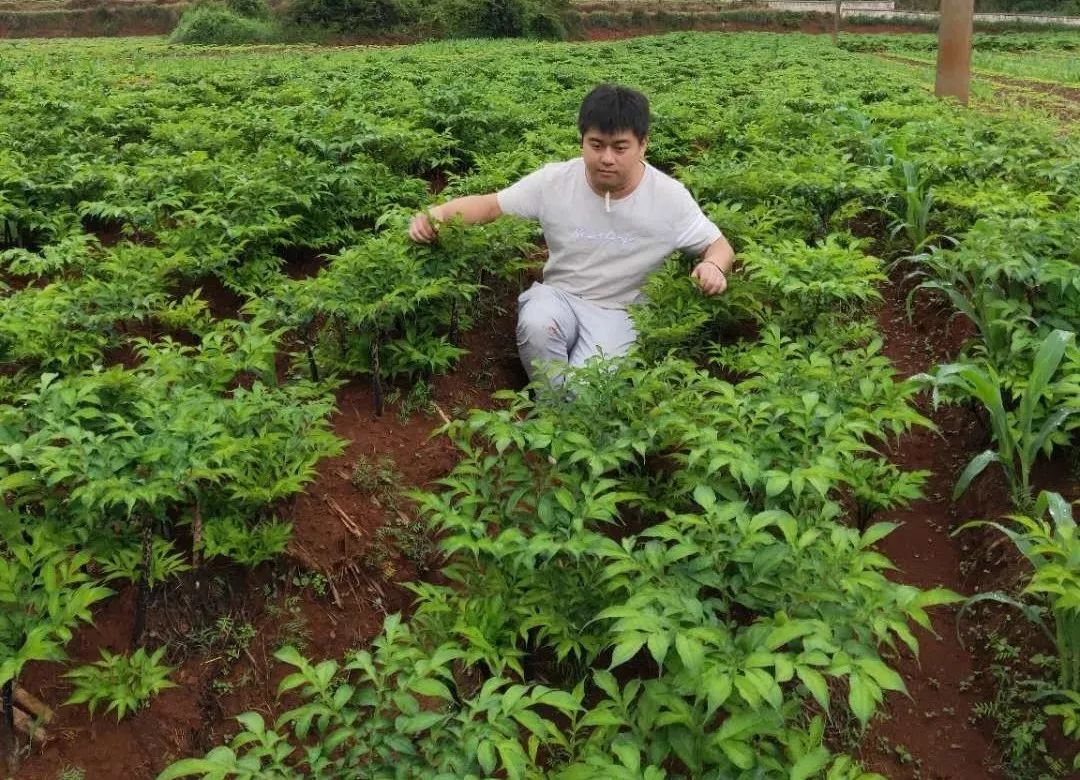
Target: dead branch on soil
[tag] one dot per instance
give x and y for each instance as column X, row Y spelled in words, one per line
column 32, row 705
column 346, row 519
column 441, row 413
column 30, row 727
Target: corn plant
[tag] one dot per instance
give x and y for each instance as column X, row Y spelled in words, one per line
column 917, row 203
column 1052, row 548
column 1020, row 436
column 989, row 278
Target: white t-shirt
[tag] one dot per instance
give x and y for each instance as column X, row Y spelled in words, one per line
column 604, row 256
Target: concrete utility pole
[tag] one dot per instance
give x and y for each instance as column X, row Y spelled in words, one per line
column 836, row 22
column 954, row 49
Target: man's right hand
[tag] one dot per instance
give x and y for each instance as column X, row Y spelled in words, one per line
column 423, row 229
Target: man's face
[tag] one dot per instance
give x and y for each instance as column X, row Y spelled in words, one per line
column 612, row 159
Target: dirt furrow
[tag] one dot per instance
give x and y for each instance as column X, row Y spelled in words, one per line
column 931, row 733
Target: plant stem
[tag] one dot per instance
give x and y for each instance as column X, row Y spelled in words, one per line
column 10, row 748
column 1067, row 623
column 196, row 534
column 452, row 336
column 144, row 582
column 1072, row 630
column 376, row 370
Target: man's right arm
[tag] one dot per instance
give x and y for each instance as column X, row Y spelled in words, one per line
column 473, row 210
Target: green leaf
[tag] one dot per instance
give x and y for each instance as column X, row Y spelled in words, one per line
column 626, row 650
column 414, row 724
column 885, row 677
column 219, row 762
column 601, row 717
column 738, row 753
column 785, row 633
column 691, row 652
column 862, row 697
column 428, row 686
column 514, row 761
column 705, row 497
column 658, row 647
column 776, row 484
column 974, row 469
column 810, row 764
column 628, row 754
column 531, row 722
column 252, row 721
column 876, row 533
column 718, row 688
column 485, row 755
column 1047, row 360
column 741, row 726
column 565, row 499
column 815, row 683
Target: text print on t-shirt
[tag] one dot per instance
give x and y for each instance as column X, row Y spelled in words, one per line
column 604, row 235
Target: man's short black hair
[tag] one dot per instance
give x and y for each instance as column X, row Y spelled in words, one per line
column 613, row 108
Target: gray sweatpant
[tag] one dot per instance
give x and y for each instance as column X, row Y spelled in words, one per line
column 556, row 326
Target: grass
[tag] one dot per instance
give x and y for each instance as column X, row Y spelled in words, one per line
column 1061, row 68
column 1052, row 67
column 993, row 97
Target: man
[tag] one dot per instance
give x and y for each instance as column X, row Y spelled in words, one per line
column 610, row 219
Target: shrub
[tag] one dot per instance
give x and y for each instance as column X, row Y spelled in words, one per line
column 216, row 24
column 501, row 18
column 249, row 9
column 352, row 15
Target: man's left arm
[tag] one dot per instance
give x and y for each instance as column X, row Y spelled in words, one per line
column 713, row 267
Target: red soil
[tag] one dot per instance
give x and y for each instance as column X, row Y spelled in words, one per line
column 934, row 732
column 929, row 734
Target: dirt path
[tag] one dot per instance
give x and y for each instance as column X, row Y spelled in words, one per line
column 930, row 735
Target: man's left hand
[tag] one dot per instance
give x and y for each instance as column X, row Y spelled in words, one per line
column 710, row 278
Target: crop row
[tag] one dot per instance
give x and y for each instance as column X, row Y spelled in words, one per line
column 673, row 575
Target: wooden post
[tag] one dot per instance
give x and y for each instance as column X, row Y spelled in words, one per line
column 836, row 23
column 954, row 49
